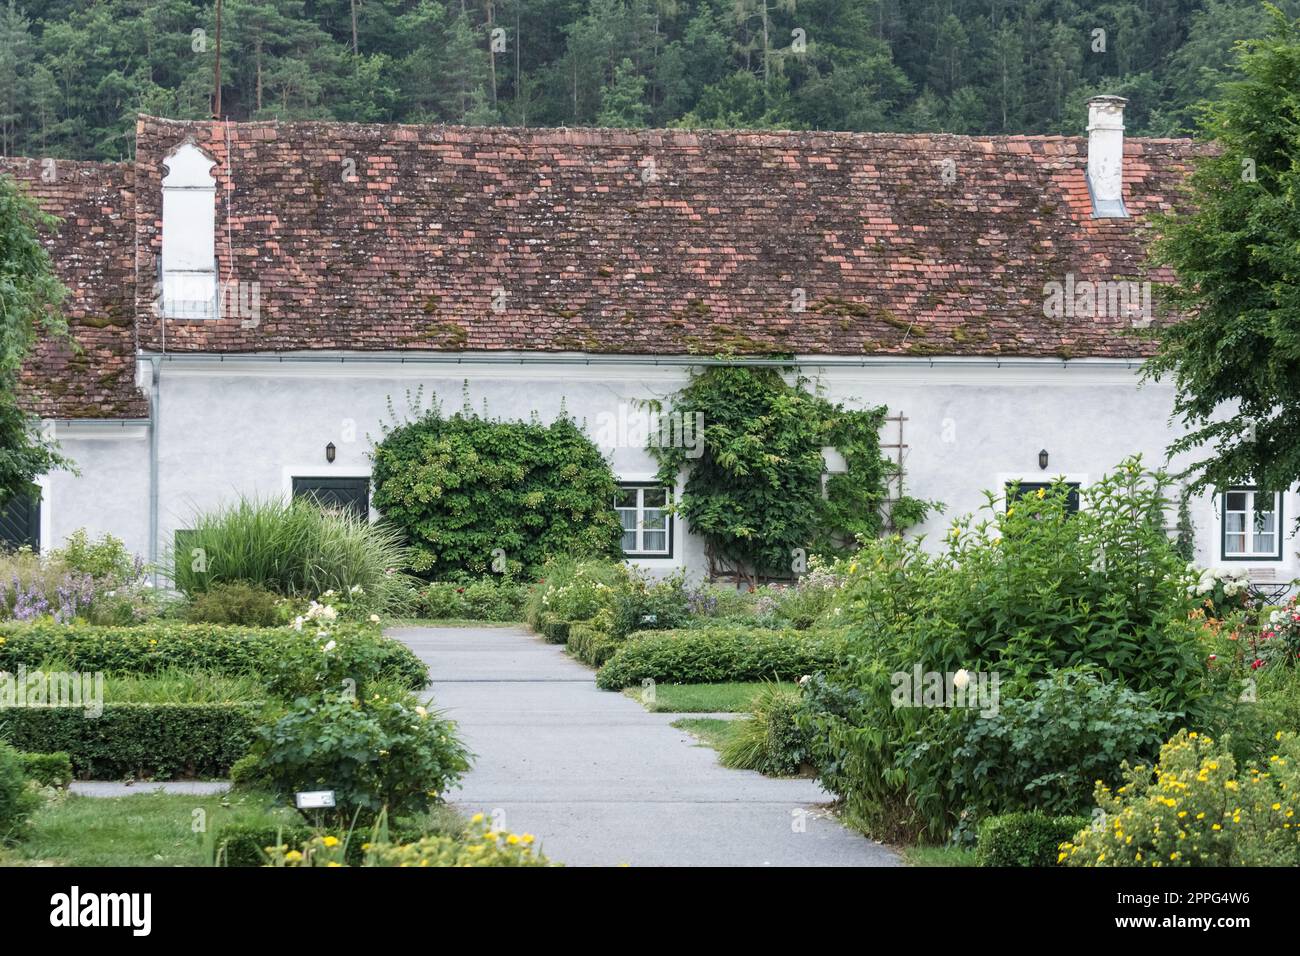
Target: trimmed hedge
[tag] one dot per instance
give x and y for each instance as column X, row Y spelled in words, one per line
column 1024, row 839
column 244, row 844
column 286, row 659
column 49, row 770
column 591, row 645
column 162, row 741
column 553, row 627
column 711, row 656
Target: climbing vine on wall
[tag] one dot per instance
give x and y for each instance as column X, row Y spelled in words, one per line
column 755, row 492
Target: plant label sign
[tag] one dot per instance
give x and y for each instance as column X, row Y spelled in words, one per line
column 314, row 799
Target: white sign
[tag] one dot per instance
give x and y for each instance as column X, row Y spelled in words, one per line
column 314, row 799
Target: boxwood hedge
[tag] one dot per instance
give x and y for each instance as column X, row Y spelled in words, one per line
column 288, row 661
column 709, row 656
column 161, row 741
column 1025, row 839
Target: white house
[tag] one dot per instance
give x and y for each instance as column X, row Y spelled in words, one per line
column 248, row 297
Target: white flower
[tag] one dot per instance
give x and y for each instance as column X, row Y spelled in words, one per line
column 374, row 619
column 422, row 711
column 961, row 679
column 356, row 589
column 329, row 593
column 1275, row 617
column 329, row 647
column 328, row 613
column 297, row 623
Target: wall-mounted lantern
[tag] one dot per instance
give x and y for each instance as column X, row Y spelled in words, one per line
column 1042, row 459
column 330, row 450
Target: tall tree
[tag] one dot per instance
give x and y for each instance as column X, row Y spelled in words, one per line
column 1235, row 357
column 29, row 303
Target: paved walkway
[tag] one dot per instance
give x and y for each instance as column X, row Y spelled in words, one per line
column 600, row 780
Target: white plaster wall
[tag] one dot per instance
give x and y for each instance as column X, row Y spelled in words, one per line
column 111, row 494
column 246, row 428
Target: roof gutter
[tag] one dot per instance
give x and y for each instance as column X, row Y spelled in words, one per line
column 668, row 361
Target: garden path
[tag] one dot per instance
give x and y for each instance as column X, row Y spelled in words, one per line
column 601, row 781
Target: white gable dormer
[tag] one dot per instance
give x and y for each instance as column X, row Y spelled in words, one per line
column 189, row 257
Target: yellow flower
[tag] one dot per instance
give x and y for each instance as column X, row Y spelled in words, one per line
column 476, row 818
column 333, row 863
column 1216, row 827
column 331, row 841
column 1277, row 806
column 293, row 856
column 528, row 837
column 512, row 839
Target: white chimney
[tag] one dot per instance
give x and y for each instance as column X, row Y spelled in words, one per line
column 1106, row 156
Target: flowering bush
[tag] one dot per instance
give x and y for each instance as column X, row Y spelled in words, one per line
column 1034, row 587
column 573, row 589
column 801, row 605
column 480, row 845
column 1220, row 590
column 34, row 587
column 383, row 752
column 1279, row 638
column 1196, row 808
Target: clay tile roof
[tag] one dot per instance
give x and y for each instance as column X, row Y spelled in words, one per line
column 92, row 251
column 374, row 237
column 666, row 242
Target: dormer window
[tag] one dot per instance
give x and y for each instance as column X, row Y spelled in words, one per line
column 189, row 257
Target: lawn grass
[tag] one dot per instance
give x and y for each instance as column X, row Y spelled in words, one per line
column 730, row 698
column 938, row 856
column 712, row 731
column 147, row 829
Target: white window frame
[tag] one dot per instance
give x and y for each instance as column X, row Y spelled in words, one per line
column 1251, row 513
column 639, row 510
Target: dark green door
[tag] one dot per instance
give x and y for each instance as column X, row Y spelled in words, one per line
column 20, row 521
column 348, row 494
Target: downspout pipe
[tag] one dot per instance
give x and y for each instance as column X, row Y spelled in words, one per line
column 155, row 399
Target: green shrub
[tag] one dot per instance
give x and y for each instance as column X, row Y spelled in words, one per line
column 294, row 548
column 770, row 740
column 374, row 754
column 1024, row 839
column 465, row 488
column 485, row 599
column 162, row 741
column 637, row 602
column 18, row 798
column 1197, row 808
column 1034, row 588
column 591, row 645
column 104, row 558
column 713, row 656
column 1043, row 751
column 553, row 627
column 237, row 602
column 291, row 662
column 48, row 770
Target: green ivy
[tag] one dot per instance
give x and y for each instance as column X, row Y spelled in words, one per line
column 755, row 492
column 467, row 490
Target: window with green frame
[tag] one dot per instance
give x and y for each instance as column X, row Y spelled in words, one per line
column 1252, row 524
